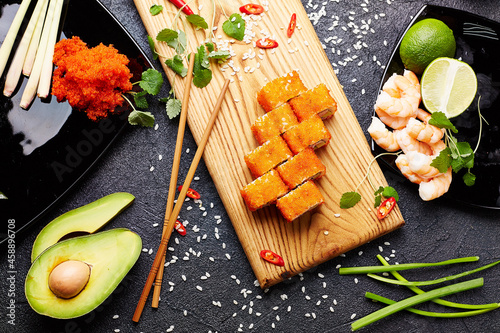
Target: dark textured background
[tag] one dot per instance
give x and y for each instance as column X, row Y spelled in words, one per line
column 317, row 301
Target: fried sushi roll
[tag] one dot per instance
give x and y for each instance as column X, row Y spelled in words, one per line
column 314, row 101
column 274, row 123
column 302, row 167
column 283, row 117
column 295, row 203
column 267, row 156
column 312, row 132
column 264, row 190
column 280, row 91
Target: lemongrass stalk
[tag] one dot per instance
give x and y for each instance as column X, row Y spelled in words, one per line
column 10, row 38
column 439, row 301
column 48, row 67
column 414, row 300
column 35, row 41
column 32, row 85
column 459, row 314
column 16, row 65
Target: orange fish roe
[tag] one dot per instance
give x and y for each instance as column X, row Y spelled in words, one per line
column 91, row 80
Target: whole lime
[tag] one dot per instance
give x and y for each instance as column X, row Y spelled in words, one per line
column 425, row 41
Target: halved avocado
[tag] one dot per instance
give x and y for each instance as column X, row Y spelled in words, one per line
column 109, row 254
column 84, row 219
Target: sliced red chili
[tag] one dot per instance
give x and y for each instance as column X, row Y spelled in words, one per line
column 272, row 257
column 267, row 43
column 179, row 227
column 385, row 207
column 252, row 9
column 291, row 25
column 190, row 193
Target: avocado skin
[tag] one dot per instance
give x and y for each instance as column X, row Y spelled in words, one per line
column 86, row 219
column 110, row 254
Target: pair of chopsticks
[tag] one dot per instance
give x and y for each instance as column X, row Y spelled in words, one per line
column 156, row 272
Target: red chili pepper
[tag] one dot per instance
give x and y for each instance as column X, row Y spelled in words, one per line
column 267, row 43
column 252, row 8
column 272, row 257
column 385, row 207
column 190, row 193
column 185, row 9
column 180, row 228
column 291, row 25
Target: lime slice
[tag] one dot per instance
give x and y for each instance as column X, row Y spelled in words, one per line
column 448, row 85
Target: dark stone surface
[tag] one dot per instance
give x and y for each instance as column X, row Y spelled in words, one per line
column 317, row 301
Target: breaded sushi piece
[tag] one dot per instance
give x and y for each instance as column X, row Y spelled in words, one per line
column 304, row 198
column 312, row 132
column 267, row 156
column 314, row 101
column 302, row 167
column 264, row 190
column 280, row 91
column 274, row 123
column 264, row 129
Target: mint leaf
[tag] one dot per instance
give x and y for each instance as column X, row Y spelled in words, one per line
column 155, row 9
column 151, row 81
column 440, row 120
column 140, row 100
column 220, row 56
column 151, row 43
column 197, row 21
column 390, row 192
column 145, row 119
column 173, row 107
column 234, row 27
column 469, row 179
column 443, row 161
column 167, row 35
column 177, row 65
column 349, row 199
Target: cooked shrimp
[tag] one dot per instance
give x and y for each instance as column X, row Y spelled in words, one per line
column 399, row 97
column 420, row 164
column 407, row 143
column 422, row 131
column 403, row 165
column 435, row 187
column 392, row 122
column 382, row 136
column 412, row 77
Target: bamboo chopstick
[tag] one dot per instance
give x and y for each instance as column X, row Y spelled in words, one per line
column 173, row 176
column 180, row 200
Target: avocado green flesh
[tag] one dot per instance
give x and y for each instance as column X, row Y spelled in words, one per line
column 88, row 219
column 111, row 254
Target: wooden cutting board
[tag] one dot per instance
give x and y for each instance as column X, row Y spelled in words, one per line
column 316, row 237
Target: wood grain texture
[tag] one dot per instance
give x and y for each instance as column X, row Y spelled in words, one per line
column 326, row 232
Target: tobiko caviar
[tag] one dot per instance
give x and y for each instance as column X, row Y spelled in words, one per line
column 90, row 79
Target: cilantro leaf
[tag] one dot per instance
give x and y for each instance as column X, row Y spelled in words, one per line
column 234, row 26
column 180, row 43
column 379, row 190
column 389, row 191
column 151, row 81
column 349, row 199
column 155, row 9
column 173, row 107
column 177, row 65
column 151, row 43
column 202, row 78
column 140, row 100
column 167, row 35
column 197, row 21
column 469, row 179
column 210, row 46
column 443, row 161
column 145, row 119
column 378, row 201
column 202, row 75
column 440, row 120
column 220, row 56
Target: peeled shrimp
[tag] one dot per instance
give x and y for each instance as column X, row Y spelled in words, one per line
column 392, row 122
column 407, row 143
column 422, row 131
column 399, row 97
column 435, row 187
column 420, row 164
column 382, row 136
column 403, row 165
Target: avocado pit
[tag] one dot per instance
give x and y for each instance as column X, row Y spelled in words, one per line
column 69, row 278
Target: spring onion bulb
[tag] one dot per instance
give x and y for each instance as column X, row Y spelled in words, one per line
column 35, row 40
column 32, row 85
column 16, row 65
column 10, row 38
column 47, row 67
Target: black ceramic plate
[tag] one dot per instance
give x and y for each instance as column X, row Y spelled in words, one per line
column 478, row 45
column 46, row 149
